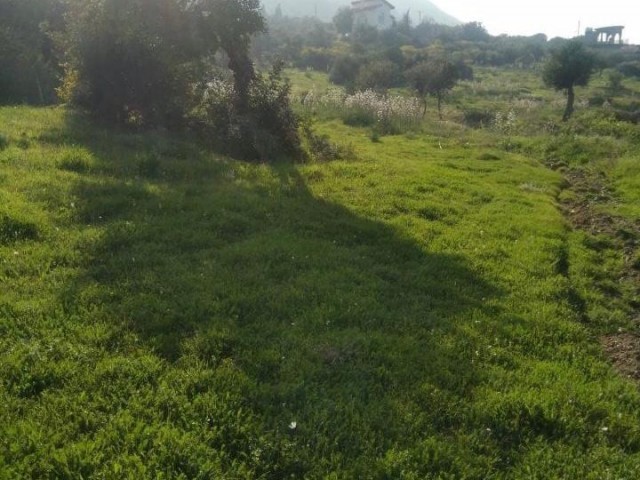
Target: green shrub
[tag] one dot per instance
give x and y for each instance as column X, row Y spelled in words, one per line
column 320, row 147
column 630, row 69
column 597, row 100
column 614, row 81
column 315, row 58
column 378, row 75
column 478, row 118
column 268, row 129
column 344, row 70
column 626, row 116
column 4, row 141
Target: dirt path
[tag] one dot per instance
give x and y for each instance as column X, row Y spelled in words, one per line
column 591, row 190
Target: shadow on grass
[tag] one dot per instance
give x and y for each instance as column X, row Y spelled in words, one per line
column 322, row 309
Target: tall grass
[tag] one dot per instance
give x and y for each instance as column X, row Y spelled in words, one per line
column 388, row 113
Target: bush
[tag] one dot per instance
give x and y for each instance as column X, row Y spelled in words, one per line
column 598, row 100
column 378, row 75
column 268, row 129
column 630, row 69
column 627, row 116
column 344, row 70
column 272, row 109
column 315, row 58
column 478, row 118
column 614, row 81
column 465, row 72
column 321, row 148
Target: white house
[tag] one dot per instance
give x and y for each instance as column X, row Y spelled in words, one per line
column 375, row 13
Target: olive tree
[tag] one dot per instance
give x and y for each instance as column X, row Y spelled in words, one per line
column 569, row 66
column 435, row 77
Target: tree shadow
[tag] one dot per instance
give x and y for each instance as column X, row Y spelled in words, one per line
column 323, row 310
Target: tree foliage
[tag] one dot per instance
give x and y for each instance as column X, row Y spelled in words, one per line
column 159, row 62
column 343, row 20
column 265, row 130
column 230, row 25
column 435, row 76
column 378, row 75
column 127, row 61
column 28, row 67
column 138, row 60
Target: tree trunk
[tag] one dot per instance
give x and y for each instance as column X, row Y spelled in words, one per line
column 440, row 105
column 424, row 106
column 243, row 74
column 570, row 98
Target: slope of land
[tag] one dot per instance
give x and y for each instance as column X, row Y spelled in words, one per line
column 408, row 313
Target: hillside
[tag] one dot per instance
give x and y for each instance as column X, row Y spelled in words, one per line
column 326, row 9
column 421, row 308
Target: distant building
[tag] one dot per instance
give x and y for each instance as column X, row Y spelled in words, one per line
column 375, row 13
column 604, row 35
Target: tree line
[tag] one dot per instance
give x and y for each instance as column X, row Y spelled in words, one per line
column 148, row 63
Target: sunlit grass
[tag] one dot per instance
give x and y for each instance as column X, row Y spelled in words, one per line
column 413, row 312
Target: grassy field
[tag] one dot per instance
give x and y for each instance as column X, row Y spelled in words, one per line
column 421, row 310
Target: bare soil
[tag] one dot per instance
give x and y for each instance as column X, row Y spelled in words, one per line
column 590, row 191
column 623, row 350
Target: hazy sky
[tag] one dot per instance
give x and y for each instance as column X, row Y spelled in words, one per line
column 553, row 17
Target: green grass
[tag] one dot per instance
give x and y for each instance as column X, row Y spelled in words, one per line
column 626, row 176
column 416, row 311
column 303, row 82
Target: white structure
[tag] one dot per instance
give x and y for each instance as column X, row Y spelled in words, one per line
column 375, row 13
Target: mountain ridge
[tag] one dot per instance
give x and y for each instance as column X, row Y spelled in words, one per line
column 325, row 10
